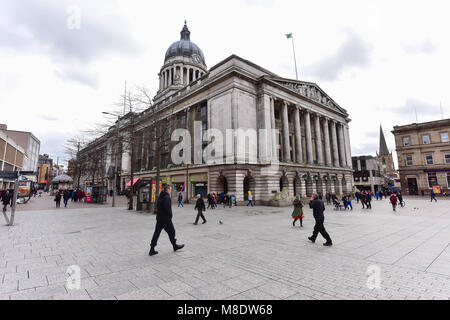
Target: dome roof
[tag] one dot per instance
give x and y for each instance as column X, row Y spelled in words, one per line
column 62, row 178
column 184, row 47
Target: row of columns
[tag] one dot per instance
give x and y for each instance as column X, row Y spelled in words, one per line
column 168, row 75
column 337, row 147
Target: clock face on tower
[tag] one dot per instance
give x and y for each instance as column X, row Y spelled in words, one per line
column 196, row 58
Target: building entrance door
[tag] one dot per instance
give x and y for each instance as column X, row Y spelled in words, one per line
column 412, row 187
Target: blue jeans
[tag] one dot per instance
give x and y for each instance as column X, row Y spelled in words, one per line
column 180, row 202
column 348, row 203
column 250, row 202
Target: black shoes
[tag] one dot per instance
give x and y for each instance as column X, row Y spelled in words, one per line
column 152, row 251
column 204, row 222
column 177, row 247
column 328, row 244
column 311, row 239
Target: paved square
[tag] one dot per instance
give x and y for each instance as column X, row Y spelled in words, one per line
column 255, row 253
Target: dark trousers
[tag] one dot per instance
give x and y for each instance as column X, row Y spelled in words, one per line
column 200, row 214
column 65, row 202
column 58, row 203
column 168, row 227
column 4, row 207
column 319, row 228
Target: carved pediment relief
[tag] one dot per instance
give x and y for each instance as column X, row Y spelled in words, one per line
column 310, row 91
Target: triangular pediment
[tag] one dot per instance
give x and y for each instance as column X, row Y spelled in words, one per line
column 311, row 91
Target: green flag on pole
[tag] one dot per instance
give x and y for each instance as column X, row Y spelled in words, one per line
column 289, row 35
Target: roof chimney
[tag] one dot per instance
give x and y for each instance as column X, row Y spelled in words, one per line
column 3, row 126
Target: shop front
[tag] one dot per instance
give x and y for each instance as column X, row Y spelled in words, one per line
column 199, row 184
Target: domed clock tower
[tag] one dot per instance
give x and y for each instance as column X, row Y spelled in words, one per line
column 184, row 63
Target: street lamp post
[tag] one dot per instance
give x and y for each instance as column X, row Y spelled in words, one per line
column 115, row 159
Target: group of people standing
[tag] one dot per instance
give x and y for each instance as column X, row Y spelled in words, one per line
column 66, row 195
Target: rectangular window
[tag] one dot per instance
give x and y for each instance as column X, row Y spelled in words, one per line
column 426, row 139
column 444, row 137
column 406, row 141
column 409, row 160
column 432, row 180
column 448, row 180
column 447, row 158
column 429, row 158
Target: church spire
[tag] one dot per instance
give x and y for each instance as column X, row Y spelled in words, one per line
column 383, row 151
column 185, row 33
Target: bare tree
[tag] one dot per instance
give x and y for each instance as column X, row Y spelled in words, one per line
column 72, row 148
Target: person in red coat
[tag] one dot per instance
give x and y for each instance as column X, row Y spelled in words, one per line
column 393, row 200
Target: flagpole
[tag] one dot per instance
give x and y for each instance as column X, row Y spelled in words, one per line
column 295, row 60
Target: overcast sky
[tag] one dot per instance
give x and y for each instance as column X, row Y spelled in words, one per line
column 380, row 60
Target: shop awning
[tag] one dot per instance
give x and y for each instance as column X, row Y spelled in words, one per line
column 134, row 182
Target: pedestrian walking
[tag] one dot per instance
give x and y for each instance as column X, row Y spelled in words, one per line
column 250, row 199
column 348, row 202
column 328, row 197
column 66, row 197
column 164, row 221
column 6, row 198
column 180, row 199
column 433, row 196
column 400, row 199
column 368, row 200
column 357, row 195
column 393, row 200
column 318, row 208
column 298, row 213
column 58, row 199
column 200, row 207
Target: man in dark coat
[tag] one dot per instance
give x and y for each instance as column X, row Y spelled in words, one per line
column 6, row 198
column 58, row 199
column 368, row 200
column 164, row 220
column 200, row 207
column 66, row 197
column 318, row 208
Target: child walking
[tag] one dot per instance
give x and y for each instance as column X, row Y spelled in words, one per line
column 297, row 214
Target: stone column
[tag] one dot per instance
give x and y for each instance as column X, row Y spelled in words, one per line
column 319, row 153
column 342, row 157
column 298, row 135
column 182, row 75
column 334, row 144
column 169, row 82
column 273, row 133
column 348, row 150
column 326, row 133
column 286, row 146
column 309, row 150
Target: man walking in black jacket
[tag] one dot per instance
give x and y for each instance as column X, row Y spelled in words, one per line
column 164, row 221
column 200, row 207
column 318, row 208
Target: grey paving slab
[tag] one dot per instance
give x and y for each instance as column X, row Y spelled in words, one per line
column 254, row 254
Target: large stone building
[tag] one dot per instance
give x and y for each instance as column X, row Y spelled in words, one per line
column 287, row 133
column 423, row 151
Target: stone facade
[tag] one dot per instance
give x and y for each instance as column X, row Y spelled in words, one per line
column 423, row 151
column 306, row 146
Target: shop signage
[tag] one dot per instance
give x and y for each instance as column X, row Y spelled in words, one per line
column 206, row 177
column 8, row 174
column 191, row 179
